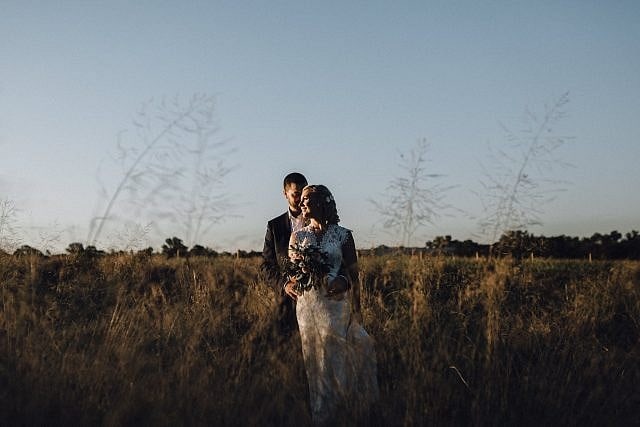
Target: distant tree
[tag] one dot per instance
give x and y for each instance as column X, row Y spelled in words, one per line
column 26, row 250
column 199, row 250
column 75, row 248
column 471, row 248
column 92, row 251
column 447, row 245
column 248, row 254
column 146, row 252
column 441, row 245
column 631, row 245
column 414, row 199
column 518, row 244
column 564, row 247
column 605, row 246
column 86, row 256
column 613, row 249
column 174, row 247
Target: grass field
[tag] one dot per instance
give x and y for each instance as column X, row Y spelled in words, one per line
column 139, row 339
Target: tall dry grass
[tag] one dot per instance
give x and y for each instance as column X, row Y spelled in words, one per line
column 133, row 339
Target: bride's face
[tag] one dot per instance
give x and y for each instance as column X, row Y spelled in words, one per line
column 310, row 205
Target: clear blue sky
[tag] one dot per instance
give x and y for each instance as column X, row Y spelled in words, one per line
column 332, row 89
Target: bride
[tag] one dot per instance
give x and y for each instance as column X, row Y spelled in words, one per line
column 339, row 355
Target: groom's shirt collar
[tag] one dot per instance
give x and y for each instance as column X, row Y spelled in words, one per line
column 296, row 222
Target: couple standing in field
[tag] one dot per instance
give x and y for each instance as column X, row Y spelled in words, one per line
column 311, row 263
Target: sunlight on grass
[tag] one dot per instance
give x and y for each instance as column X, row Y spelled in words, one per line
column 124, row 339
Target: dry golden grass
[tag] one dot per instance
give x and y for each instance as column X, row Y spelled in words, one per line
column 128, row 339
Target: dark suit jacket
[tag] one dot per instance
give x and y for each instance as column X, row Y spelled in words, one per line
column 276, row 247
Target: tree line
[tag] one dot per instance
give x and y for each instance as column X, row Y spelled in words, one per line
column 173, row 247
column 518, row 244
column 521, row 244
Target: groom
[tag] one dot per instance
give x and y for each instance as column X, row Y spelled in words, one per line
column 276, row 247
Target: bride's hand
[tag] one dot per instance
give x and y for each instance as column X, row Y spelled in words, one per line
column 289, row 290
column 337, row 287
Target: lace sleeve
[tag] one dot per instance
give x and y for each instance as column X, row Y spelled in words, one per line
column 349, row 256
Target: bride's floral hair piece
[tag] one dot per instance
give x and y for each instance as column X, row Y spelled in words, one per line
column 327, row 202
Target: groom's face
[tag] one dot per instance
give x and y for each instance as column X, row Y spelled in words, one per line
column 292, row 193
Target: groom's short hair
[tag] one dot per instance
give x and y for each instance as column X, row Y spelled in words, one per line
column 295, row 178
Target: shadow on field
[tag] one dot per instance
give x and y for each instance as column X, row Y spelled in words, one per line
column 144, row 340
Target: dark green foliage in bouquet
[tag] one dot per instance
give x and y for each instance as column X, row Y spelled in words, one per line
column 308, row 266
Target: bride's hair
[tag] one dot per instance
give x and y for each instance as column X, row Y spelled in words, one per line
column 327, row 202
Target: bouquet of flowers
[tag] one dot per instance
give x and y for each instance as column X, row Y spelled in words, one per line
column 307, row 266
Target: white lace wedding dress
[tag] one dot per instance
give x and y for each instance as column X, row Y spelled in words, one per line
column 338, row 353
